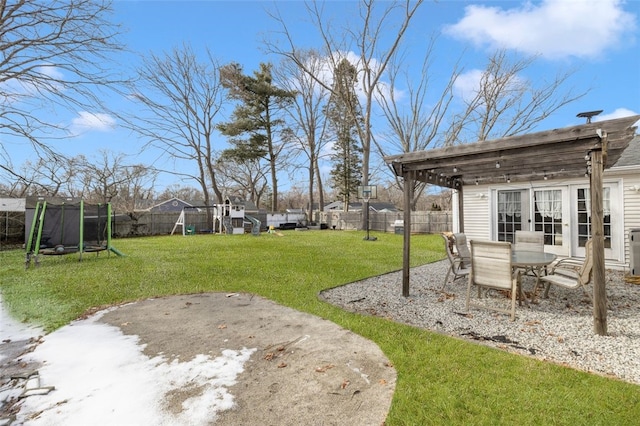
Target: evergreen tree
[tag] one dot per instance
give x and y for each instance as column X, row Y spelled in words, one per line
column 342, row 112
column 256, row 130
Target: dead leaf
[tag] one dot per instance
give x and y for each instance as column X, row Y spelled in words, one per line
column 282, row 365
column 269, row 356
column 345, row 383
column 280, row 348
column 222, row 326
column 324, row 368
column 382, row 382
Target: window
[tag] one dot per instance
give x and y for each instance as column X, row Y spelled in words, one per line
column 509, row 214
column 548, row 215
column 584, row 216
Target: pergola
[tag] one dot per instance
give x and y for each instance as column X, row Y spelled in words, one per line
column 583, row 150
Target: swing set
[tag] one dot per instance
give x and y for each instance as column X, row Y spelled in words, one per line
column 68, row 227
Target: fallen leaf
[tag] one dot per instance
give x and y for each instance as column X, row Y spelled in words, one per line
column 345, row 383
column 268, row 356
column 222, row 326
column 282, row 365
column 280, row 348
column 324, row 368
column 382, row 381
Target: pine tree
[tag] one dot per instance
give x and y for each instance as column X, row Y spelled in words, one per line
column 342, row 114
column 256, row 130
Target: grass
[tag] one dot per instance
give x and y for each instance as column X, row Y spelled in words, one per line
column 441, row 380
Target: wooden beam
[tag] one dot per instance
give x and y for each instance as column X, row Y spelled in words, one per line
column 409, row 178
column 597, row 234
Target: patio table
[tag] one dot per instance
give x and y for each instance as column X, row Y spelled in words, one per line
column 536, row 261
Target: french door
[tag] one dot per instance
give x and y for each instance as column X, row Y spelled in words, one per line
column 542, row 210
column 563, row 214
column 582, row 220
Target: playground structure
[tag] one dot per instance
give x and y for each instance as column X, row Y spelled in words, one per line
column 227, row 218
column 65, row 227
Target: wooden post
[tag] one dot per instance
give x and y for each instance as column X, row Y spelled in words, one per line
column 460, row 209
column 597, row 234
column 408, row 178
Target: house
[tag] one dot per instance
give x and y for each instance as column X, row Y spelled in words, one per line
column 171, row 205
column 560, row 207
column 543, row 182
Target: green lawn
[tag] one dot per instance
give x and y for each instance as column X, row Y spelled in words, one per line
column 441, row 380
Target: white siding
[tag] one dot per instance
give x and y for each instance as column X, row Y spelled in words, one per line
column 631, row 197
column 477, row 212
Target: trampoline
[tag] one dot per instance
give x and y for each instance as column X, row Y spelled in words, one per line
column 66, row 227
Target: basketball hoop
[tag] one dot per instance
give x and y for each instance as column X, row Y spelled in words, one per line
column 366, row 193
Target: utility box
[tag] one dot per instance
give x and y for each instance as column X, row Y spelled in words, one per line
column 634, row 251
column 398, row 227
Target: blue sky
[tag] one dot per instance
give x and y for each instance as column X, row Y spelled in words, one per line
column 600, row 39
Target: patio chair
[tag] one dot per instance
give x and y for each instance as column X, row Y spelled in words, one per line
column 569, row 274
column 491, row 269
column 462, row 249
column 455, row 262
column 529, row 241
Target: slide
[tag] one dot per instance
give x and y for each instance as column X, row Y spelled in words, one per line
column 255, row 229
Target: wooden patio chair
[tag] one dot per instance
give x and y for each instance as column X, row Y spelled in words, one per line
column 455, row 262
column 491, row 269
column 569, row 274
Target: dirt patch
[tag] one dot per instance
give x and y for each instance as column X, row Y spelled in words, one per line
column 305, row 370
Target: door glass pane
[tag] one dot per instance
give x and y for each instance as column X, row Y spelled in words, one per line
column 548, row 215
column 509, row 214
column 584, row 216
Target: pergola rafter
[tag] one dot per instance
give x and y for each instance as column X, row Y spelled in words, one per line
column 577, row 151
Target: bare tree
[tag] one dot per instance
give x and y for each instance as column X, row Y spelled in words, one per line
column 185, row 193
column 505, row 103
column 53, row 54
column 179, row 98
column 415, row 125
column 247, row 179
column 309, row 131
column 366, row 40
column 136, row 185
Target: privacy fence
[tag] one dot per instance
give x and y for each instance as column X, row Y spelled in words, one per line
column 12, row 224
column 142, row 224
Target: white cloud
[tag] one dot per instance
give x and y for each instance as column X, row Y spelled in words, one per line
column 87, row 121
column 618, row 113
column 551, row 28
column 467, row 84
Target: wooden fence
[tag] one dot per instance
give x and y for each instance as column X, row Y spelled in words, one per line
column 162, row 223
column 422, row 222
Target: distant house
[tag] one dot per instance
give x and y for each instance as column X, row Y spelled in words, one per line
column 171, row 205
